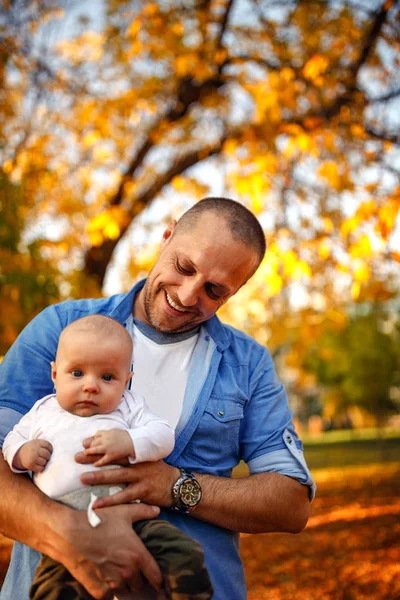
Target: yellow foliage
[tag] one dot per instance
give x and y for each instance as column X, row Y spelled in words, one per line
column 358, row 131
column 186, row 63
column 355, row 290
column 315, row 66
column 151, row 9
column 102, row 153
column 134, row 28
column 349, row 225
column 324, row 249
column 91, row 138
column 8, row 166
column 362, row 248
column 111, row 230
column 106, row 225
column 327, row 224
column 268, row 163
column 96, row 238
column 230, row 146
column 387, row 217
column 329, row 171
column 366, row 210
column 88, row 47
column 361, row 271
column 396, row 256
column 301, row 269
column 179, row 183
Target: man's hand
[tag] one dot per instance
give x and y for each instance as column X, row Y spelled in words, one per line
column 149, row 482
column 110, row 556
column 113, row 445
column 33, row 456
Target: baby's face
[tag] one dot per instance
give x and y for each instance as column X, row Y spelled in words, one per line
column 90, row 373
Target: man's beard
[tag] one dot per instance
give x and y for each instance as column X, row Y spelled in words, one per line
column 148, row 309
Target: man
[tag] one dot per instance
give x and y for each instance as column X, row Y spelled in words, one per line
column 215, row 385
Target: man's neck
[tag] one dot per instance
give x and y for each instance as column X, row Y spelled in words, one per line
column 164, row 338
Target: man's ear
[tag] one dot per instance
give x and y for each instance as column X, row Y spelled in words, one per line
column 53, row 371
column 168, row 234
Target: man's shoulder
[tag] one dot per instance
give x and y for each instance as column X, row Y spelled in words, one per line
column 243, row 344
column 70, row 310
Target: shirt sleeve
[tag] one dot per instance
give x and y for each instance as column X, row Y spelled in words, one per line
column 152, row 438
column 269, row 441
column 25, row 372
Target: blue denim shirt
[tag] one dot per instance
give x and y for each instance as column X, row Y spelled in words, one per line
column 235, row 408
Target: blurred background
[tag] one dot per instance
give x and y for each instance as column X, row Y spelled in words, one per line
column 116, row 116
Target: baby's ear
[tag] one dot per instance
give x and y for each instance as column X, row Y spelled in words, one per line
column 53, row 371
column 130, row 375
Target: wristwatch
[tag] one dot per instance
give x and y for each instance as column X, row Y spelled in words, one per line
column 186, row 492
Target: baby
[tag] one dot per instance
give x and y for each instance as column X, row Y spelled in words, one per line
column 90, row 374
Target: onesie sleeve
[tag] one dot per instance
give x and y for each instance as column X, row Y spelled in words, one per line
column 17, row 437
column 152, row 437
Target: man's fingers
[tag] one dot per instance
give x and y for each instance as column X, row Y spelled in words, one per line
column 107, row 475
column 123, row 497
column 98, row 588
column 84, row 459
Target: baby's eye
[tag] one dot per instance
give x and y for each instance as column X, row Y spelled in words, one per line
column 77, row 373
column 107, row 377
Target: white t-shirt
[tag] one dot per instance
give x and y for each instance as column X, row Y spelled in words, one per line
column 161, row 372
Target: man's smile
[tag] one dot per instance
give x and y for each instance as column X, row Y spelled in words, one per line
column 174, row 306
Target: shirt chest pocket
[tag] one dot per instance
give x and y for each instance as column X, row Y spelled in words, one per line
column 216, row 438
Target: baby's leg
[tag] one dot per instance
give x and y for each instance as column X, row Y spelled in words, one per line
column 180, row 558
column 52, row 581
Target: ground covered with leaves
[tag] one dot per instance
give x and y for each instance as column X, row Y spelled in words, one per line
column 350, row 549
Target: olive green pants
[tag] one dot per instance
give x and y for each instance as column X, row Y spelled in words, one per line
column 180, row 558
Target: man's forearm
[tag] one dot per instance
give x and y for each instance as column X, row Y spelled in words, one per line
column 261, row 503
column 26, row 513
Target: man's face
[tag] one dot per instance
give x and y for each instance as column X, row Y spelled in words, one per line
column 90, row 374
column 196, row 272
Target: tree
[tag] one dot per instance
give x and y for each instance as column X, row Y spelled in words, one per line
column 360, row 362
column 290, row 105
column 27, row 282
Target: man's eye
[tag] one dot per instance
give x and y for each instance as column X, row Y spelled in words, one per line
column 182, row 269
column 77, row 373
column 211, row 293
column 107, row 377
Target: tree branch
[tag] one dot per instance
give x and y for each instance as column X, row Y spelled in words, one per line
column 385, row 97
column 98, row 258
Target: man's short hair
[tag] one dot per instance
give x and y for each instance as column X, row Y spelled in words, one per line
column 240, row 221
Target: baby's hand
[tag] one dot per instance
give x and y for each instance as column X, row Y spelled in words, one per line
column 33, row 456
column 113, row 444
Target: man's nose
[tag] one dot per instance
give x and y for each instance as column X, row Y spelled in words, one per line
column 188, row 292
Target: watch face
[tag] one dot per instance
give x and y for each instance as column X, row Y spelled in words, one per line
column 190, row 492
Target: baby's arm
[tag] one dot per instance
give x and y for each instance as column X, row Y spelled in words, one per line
column 21, row 451
column 32, row 456
column 148, row 438
column 114, row 444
